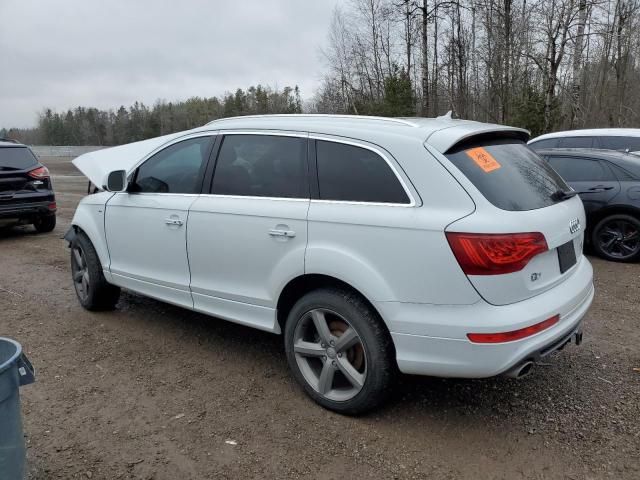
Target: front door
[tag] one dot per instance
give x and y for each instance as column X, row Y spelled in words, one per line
column 146, row 226
column 248, row 237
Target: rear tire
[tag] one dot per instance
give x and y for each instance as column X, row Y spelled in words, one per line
column 45, row 224
column 349, row 376
column 617, row 238
column 92, row 289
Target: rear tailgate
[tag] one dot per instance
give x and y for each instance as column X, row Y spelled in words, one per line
column 559, row 225
column 516, row 192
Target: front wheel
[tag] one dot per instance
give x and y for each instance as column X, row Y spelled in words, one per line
column 339, row 351
column 92, row 289
column 617, row 238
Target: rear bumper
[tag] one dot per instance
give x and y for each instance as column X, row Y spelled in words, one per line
column 26, row 209
column 431, row 339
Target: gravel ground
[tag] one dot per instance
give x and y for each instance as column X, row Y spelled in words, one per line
column 152, row 391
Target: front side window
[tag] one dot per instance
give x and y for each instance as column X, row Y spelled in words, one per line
column 350, row 173
column 176, row 169
column 262, row 166
column 577, row 142
column 574, row 169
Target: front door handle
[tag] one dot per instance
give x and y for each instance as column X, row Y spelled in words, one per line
column 173, row 221
column 274, row 232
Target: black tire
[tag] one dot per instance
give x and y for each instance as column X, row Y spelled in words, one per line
column 45, row 224
column 100, row 295
column 374, row 342
column 617, row 238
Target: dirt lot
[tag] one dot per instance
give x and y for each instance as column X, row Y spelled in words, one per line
column 154, row 391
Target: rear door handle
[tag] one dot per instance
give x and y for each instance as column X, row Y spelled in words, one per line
column 173, row 221
column 274, row 232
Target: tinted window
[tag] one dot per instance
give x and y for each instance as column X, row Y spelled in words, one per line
column 576, row 142
column 350, row 173
column 176, row 169
column 574, row 169
column 16, row 158
column 547, row 143
column 508, row 174
column 262, row 166
column 621, row 143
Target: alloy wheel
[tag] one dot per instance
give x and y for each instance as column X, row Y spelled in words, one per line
column 80, row 272
column 330, row 354
column 619, row 239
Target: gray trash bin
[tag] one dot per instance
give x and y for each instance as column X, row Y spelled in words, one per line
column 15, row 371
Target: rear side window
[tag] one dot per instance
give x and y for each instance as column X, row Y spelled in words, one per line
column 577, row 142
column 621, row 143
column 508, row 174
column 262, row 166
column 576, row 169
column 542, row 144
column 355, row 174
column 16, row 158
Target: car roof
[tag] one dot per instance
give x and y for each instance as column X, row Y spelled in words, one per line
column 5, row 142
column 440, row 132
column 601, row 132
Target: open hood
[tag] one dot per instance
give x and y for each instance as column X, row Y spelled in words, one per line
column 98, row 164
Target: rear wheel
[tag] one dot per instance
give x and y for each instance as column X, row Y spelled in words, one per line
column 617, row 238
column 45, row 224
column 339, row 351
column 92, row 289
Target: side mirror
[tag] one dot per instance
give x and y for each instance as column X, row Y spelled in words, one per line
column 116, row 181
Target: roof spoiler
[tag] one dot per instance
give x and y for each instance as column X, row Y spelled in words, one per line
column 454, row 136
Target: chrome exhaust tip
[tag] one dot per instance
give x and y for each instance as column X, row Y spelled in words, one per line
column 521, row 370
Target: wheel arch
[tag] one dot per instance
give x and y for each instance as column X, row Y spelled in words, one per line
column 92, row 226
column 303, row 284
column 610, row 210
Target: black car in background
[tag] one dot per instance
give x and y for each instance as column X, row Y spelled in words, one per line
column 608, row 183
column 26, row 192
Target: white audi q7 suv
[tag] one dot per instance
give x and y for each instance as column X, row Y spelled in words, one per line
column 430, row 246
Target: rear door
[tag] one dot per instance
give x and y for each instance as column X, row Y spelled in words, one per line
column 589, row 175
column 247, row 237
column 517, row 192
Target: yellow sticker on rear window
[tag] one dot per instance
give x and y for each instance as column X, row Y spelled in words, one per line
column 483, row 159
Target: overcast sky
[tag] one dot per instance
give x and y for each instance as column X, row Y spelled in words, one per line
column 65, row 53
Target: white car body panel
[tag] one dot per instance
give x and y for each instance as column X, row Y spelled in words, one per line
column 234, row 256
column 147, row 254
column 222, row 260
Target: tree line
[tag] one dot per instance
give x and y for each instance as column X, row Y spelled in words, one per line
column 543, row 65
column 92, row 126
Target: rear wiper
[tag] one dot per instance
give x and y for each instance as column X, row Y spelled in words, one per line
column 560, row 195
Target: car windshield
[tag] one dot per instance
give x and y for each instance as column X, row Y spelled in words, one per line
column 16, row 158
column 509, row 175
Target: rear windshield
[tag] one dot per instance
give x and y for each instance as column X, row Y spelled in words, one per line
column 16, row 158
column 508, row 174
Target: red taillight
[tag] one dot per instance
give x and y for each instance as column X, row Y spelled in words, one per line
column 53, row 206
column 495, row 254
column 514, row 334
column 39, row 173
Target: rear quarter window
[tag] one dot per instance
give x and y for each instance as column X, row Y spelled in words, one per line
column 508, row 174
column 16, row 158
